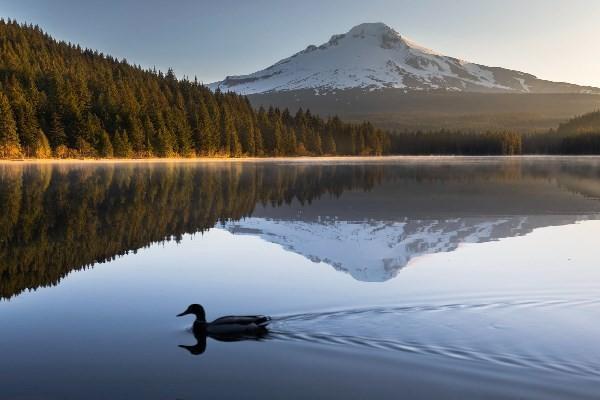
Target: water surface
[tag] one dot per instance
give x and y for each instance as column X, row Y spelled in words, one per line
column 415, row 278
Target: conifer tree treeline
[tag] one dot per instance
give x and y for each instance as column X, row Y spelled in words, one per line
column 59, row 99
column 579, row 135
column 457, row 143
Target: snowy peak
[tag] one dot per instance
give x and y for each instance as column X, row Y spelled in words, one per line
column 377, row 29
column 381, row 35
column 386, row 37
column 363, row 36
column 373, row 56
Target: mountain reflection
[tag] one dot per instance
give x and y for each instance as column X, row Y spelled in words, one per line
column 368, row 219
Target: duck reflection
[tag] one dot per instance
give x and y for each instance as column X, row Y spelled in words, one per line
column 225, row 329
column 200, row 346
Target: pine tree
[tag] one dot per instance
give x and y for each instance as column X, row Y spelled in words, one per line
column 105, row 148
column 42, row 146
column 290, row 144
column 184, row 140
column 278, row 147
column 136, row 134
column 315, row 144
column 84, row 148
column 228, row 133
column 121, row 146
column 24, row 115
column 162, row 146
column 329, row 146
column 258, row 138
column 56, row 134
column 9, row 140
column 149, row 133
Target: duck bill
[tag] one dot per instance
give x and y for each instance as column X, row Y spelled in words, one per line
column 182, row 314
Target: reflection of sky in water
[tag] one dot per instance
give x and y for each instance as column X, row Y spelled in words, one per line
column 516, row 298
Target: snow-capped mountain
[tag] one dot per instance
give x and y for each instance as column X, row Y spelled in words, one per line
column 373, row 56
column 375, row 251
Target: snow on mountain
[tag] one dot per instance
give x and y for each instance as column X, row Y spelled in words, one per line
column 375, row 251
column 373, row 56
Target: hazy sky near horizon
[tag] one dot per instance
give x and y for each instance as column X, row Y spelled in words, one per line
column 553, row 39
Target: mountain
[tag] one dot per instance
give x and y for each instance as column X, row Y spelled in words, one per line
column 373, row 56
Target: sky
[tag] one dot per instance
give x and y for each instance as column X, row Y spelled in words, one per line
column 552, row 39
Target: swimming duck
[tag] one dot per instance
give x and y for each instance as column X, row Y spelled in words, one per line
column 226, row 326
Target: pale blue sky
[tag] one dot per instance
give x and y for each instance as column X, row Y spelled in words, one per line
column 552, row 39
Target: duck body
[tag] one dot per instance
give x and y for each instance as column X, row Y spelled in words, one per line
column 231, row 324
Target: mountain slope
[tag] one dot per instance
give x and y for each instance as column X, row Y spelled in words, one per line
column 373, row 56
column 395, row 110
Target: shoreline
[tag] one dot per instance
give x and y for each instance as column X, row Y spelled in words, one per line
column 305, row 159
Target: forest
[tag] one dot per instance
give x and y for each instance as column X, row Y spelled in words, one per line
column 578, row 136
column 58, row 100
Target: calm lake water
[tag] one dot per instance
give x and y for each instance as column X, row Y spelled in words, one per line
column 399, row 278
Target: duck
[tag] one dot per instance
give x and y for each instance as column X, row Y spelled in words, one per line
column 231, row 326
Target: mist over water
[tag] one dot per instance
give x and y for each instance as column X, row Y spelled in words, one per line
column 447, row 277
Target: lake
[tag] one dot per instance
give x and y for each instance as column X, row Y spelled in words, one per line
column 413, row 278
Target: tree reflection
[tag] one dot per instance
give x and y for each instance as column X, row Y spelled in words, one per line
column 55, row 219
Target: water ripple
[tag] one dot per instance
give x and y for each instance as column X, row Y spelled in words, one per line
column 421, row 330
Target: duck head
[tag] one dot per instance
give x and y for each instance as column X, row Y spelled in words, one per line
column 197, row 310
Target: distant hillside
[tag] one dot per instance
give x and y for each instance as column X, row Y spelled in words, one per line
column 588, row 123
column 57, row 99
column 395, row 110
column 579, row 135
